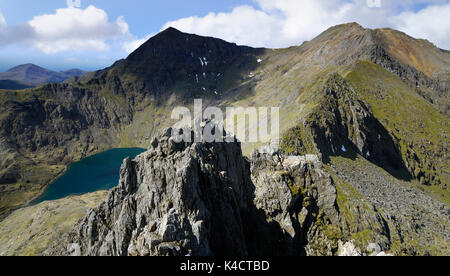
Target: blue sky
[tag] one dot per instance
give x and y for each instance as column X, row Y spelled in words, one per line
column 143, row 16
column 98, row 32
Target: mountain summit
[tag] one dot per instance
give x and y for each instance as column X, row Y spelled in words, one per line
column 185, row 64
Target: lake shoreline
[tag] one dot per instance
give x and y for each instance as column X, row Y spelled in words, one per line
column 37, row 199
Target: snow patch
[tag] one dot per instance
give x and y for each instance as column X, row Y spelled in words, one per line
column 203, row 61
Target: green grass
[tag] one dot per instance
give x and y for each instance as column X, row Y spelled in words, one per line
column 363, row 239
column 297, row 140
column 422, row 131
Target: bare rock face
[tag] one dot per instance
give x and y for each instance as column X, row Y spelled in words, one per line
column 175, row 199
column 207, row 199
column 344, row 123
column 296, row 195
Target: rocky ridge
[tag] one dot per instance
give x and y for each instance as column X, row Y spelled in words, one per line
column 207, row 199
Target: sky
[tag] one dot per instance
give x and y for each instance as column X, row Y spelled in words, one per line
column 92, row 34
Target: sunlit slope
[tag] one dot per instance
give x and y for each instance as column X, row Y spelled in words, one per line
column 29, row 231
column 418, row 53
column 420, row 130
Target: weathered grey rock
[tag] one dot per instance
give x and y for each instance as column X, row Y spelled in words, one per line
column 172, row 200
column 374, row 248
column 348, row 249
column 383, row 254
column 207, row 199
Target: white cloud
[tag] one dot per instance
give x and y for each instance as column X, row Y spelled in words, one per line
column 131, row 46
column 274, row 23
column 2, row 21
column 75, row 29
column 268, row 23
column 244, row 25
column 283, row 23
column 67, row 29
column 432, row 23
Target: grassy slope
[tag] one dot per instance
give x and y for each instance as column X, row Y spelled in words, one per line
column 421, row 130
column 28, row 231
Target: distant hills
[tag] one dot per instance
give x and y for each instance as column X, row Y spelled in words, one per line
column 29, row 75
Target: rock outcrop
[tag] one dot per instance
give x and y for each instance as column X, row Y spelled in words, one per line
column 343, row 123
column 207, row 199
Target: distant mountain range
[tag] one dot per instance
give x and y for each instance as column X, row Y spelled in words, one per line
column 29, row 75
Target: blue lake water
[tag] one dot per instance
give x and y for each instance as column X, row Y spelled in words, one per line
column 95, row 173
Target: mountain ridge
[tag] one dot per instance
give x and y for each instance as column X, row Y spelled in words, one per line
column 34, row 75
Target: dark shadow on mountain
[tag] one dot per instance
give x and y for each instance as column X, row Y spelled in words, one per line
column 186, row 65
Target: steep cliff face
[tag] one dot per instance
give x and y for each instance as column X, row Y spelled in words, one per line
column 207, row 199
column 58, row 116
column 123, row 105
column 374, row 114
column 186, row 65
column 173, row 199
column 297, row 195
column 343, row 124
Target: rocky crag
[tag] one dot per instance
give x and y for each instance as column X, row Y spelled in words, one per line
column 202, row 199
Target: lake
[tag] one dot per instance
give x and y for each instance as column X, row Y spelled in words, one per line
column 94, row 173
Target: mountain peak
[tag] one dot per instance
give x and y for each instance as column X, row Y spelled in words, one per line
column 171, row 30
column 26, row 66
column 169, row 33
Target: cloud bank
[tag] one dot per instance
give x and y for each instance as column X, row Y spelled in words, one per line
column 266, row 23
column 67, row 29
column 283, row 23
column 431, row 23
